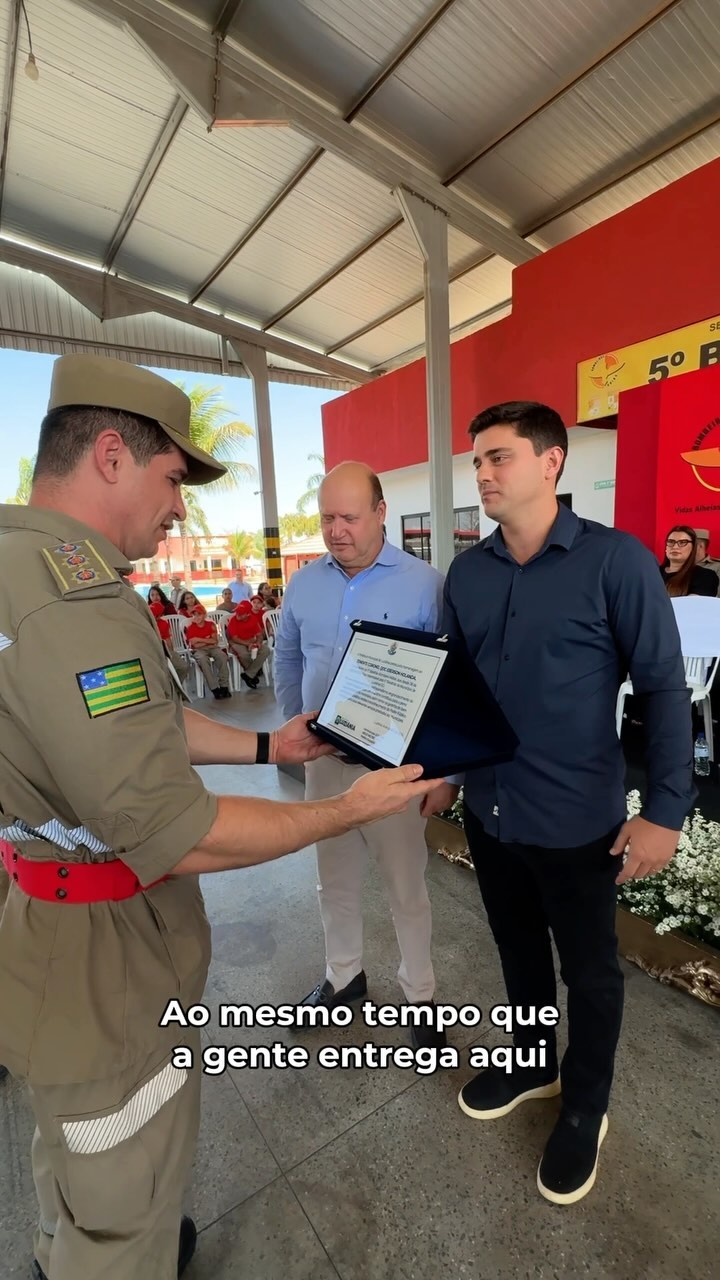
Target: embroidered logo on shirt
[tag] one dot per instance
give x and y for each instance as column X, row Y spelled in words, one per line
column 113, row 688
column 78, row 564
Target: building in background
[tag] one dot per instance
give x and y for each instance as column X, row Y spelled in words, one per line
column 210, row 560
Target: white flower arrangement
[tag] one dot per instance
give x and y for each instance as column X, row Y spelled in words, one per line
column 685, row 895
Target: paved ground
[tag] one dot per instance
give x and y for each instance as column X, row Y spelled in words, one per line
column 376, row 1174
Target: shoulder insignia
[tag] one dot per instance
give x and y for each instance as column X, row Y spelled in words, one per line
column 76, row 565
column 112, row 688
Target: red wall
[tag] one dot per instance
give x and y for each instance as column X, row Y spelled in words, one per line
column 656, row 486
column 652, row 268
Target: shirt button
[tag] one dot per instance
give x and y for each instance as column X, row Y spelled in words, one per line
column 507, row 657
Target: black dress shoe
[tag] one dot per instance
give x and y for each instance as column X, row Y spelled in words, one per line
column 325, row 994
column 427, row 1035
column 188, row 1241
column 186, row 1249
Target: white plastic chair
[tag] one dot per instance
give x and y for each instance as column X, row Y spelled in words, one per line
column 698, row 619
column 271, row 622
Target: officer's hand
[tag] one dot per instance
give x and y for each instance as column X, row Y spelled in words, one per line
column 439, row 800
column 377, row 795
column 295, row 744
column 649, row 848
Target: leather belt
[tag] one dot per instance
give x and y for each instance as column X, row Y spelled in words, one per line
column 72, row 882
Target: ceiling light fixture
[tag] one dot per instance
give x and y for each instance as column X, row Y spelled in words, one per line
column 32, row 70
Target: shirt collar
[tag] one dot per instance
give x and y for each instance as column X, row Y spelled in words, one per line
column 562, row 534
column 66, row 529
column 387, row 555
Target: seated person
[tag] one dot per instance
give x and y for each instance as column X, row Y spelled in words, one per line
column 226, row 604
column 179, row 663
column 246, row 637
column 188, row 602
column 156, row 595
column 681, row 575
column 269, row 599
column 202, row 638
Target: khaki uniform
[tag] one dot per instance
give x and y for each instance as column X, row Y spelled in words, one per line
column 94, row 766
column 710, row 563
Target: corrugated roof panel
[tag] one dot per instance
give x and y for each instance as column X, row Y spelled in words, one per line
column 209, row 189
column 677, row 164
column 401, row 334
column 484, row 287
column 485, row 66
column 666, row 76
column 335, row 47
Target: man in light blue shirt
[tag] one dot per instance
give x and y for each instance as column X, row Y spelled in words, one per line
column 363, row 576
column 239, row 587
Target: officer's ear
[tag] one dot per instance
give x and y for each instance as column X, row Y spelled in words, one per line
column 110, row 451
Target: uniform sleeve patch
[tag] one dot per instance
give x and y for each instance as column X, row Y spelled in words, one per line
column 113, row 688
column 77, row 564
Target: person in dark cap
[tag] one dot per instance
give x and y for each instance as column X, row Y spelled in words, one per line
column 104, row 827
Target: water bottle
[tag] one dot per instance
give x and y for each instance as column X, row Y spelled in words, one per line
column 702, row 757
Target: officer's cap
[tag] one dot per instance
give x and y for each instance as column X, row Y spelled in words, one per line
column 703, row 534
column 114, row 384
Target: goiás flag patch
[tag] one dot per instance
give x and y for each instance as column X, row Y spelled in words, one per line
column 112, row 688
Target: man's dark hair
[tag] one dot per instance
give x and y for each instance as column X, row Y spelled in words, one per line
column 377, row 494
column 68, row 433
column 538, row 423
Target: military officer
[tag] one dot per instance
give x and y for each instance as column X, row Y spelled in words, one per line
column 702, row 554
column 105, row 826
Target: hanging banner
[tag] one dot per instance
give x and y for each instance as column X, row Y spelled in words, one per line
column 600, row 380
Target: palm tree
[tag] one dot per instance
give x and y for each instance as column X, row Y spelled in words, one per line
column 26, row 467
column 241, row 546
column 313, row 483
column 221, row 440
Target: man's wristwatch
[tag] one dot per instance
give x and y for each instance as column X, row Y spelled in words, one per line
column 262, row 755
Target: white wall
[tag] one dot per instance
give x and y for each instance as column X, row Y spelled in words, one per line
column 591, row 458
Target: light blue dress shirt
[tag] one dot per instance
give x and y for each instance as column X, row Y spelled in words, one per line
column 319, row 605
column 240, row 591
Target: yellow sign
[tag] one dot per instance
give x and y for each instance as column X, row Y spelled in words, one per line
column 601, row 379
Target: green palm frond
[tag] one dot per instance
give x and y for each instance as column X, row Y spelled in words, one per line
column 26, row 467
column 312, row 483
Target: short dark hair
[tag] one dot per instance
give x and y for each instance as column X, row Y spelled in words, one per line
column 538, row 423
column 68, row 433
column 377, row 495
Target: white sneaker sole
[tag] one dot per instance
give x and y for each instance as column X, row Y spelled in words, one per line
column 544, row 1091
column 571, row 1197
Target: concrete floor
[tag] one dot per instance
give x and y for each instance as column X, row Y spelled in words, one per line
column 376, row 1174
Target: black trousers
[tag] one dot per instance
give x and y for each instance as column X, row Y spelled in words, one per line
column 530, row 892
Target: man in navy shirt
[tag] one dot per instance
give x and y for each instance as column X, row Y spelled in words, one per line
column 556, row 611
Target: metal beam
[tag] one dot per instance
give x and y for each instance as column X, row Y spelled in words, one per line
column 660, row 11
column 110, row 297
column 185, row 52
column 11, row 57
column 227, row 16
column 157, row 155
column 571, row 205
column 256, row 364
column 429, row 227
column 398, row 58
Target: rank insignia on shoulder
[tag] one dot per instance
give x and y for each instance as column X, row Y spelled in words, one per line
column 112, row 688
column 76, row 565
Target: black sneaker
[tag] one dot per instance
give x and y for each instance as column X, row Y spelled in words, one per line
column 224, row 691
column 217, row 693
column 246, row 680
column 325, row 994
column 186, row 1249
column 427, row 1036
column 569, row 1165
column 495, row 1093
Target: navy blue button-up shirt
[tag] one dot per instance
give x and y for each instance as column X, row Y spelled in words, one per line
column 554, row 639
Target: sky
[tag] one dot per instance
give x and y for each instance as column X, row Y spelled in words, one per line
column 297, row 431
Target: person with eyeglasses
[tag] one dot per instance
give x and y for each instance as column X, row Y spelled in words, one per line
column 681, row 575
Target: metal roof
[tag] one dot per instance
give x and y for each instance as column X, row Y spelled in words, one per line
column 525, row 120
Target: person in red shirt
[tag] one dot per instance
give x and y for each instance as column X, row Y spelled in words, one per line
column 188, row 602
column 246, row 637
column 163, row 627
column 202, row 638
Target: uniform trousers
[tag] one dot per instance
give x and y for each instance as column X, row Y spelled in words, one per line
column 243, row 652
column 398, row 845
column 214, row 665
column 530, row 892
column 110, row 1183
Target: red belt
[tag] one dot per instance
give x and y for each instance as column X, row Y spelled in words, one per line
column 72, row 882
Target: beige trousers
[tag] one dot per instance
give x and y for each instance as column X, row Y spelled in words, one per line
column 398, row 845
column 109, row 1181
column 214, row 665
column 243, row 652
